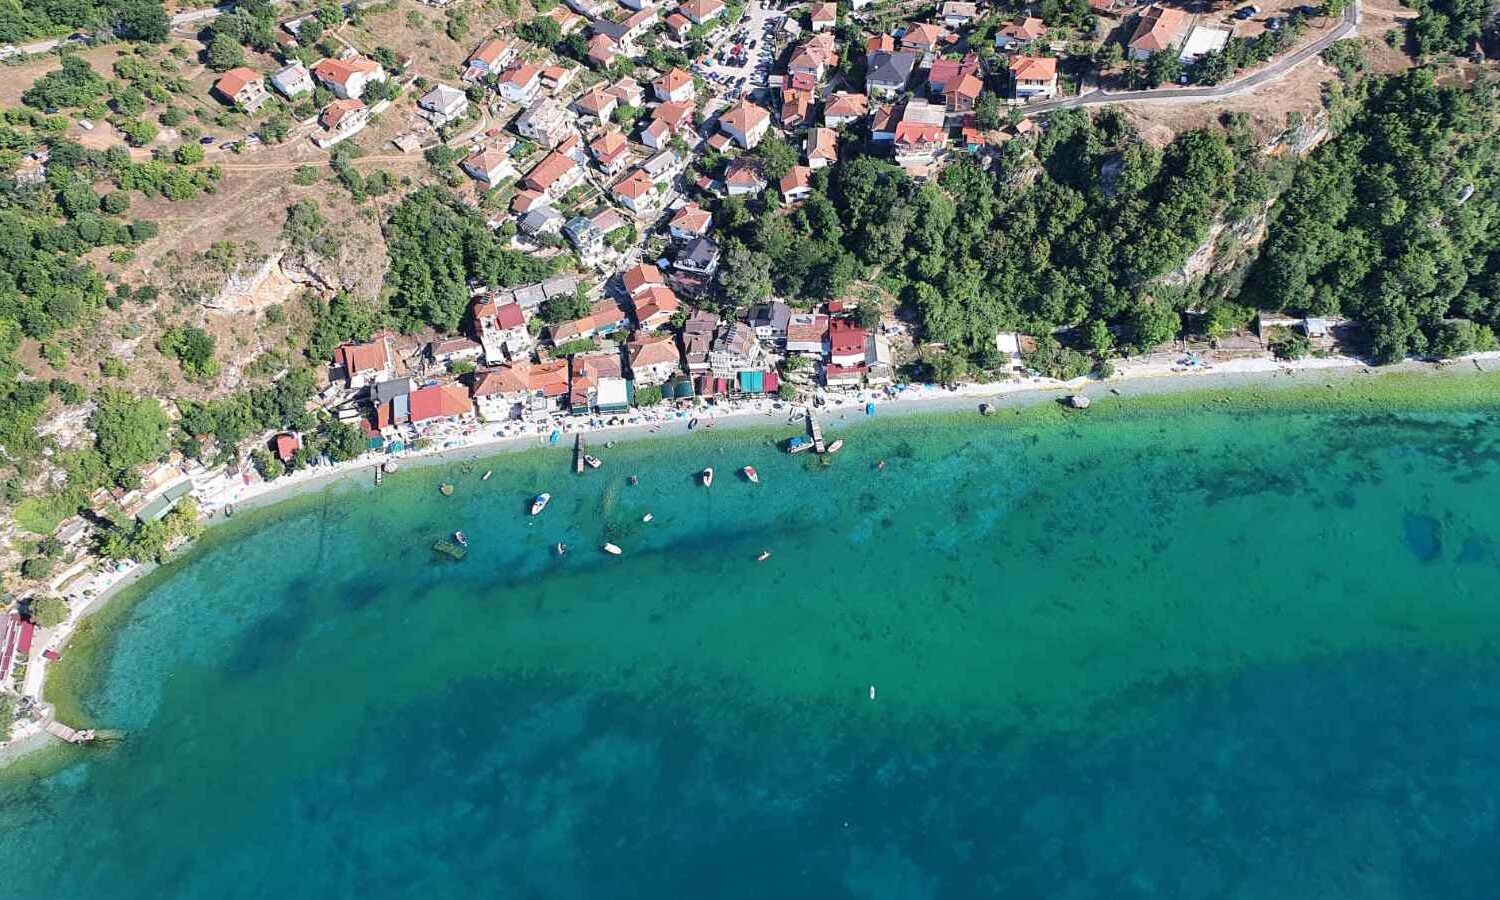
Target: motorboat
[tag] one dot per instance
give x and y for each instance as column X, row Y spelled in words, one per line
column 750, row 475
column 708, row 477
column 647, row 517
column 540, row 503
column 460, row 539
column 798, row 444
column 562, row 549
column 593, row 462
column 487, row 474
column 764, row 555
column 612, row 550
column 836, row 446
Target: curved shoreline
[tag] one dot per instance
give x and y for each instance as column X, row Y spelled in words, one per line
column 1412, row 386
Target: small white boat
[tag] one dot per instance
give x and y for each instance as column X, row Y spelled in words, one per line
column 647, row 517
column 487, row 474
column 764, row 555
column 540, row 503
column 460, row 539
column 750, row 475
column 836, row 446
column 708, row 476
column 612, row 550
column 562, row 549
column 593, row 462
column 872, row 692
column 391, row 466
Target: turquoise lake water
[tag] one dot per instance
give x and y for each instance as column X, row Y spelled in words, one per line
column 1187, row 655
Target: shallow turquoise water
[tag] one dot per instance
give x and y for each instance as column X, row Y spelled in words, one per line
column 1190, row 655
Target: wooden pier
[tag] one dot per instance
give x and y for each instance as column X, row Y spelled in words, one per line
column 379, row 475
column 815, row 431
column 578, row 455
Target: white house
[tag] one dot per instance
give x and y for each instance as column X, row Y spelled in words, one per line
column 293, row 81
column 520, row 84
column 443, row 104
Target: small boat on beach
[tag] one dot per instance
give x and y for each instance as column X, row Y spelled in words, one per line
column 751, row 475
column 612, row 550
column 836, row 446
column 593, row 462
column 540, row 503
column 461, row 539
column 487, row 474
column 708, row 477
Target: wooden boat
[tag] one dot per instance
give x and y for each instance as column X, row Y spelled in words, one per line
column 487, row 474
column 461, row 539
column 751, row 475
column 708, row 477
column 612, row 550
column 540, row 503
column 593, row 462
column 836, row 446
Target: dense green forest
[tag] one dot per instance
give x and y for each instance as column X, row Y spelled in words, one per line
column 436, row 244
column 22, row 20
column 1396, row 223
column 1070, row 232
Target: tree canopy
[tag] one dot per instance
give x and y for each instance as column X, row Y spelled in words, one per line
column 437, row 246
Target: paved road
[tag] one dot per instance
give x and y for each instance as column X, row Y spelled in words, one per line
column 179, row 20
column 1348, row 23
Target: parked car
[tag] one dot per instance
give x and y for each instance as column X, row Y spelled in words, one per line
column 206, row 140
column 1273, row 24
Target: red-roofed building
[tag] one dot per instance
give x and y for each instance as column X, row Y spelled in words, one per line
column 554, row 176
column 504, row 392
column 520, row 84
column 242, row 87
column 796, row 185
column 675, row 86
column 678, row 26
column 653, row 360
column 363, row 364
column 348, row 78
column 611, row 151
column 822, row 147
column 442, row 401
column 917, row 143
column 491, row 56
column 637, row 193
column 1160, row 29
column 501, row 329
column 846, row 342
column 596, row 102
column 638, row 278
column 842, row 108
column 746, row 123
column 286, row 445
column 836, row 376
column 962, row 95
column 1034, row 76
column 691, row 221
column 700, row 11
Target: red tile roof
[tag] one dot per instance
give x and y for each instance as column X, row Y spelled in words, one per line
column 286, row 446
column 549, row 170
column 234, row 81
column 845, row 338
column 439, row 402
column 1033, row 68
column 641, row 276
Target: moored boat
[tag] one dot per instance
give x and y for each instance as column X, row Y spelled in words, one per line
column 708, row 476
column 764, row 555
column 562, row 549
column 461, row 539
column 1078, row 401
column 799, row 445
column 593, row 462
column 611, row 549
column 750, row 475
column 836, row 446
column 487, row 474
column 647, row 517
column 540, row 503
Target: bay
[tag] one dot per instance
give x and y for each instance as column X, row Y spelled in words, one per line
column 1167, row 651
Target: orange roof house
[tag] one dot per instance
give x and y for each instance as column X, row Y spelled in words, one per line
column 1159, row 30
column 442, row 401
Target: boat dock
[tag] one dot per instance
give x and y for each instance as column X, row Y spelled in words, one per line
column 379, row 475
column 86, row 736
column 578, row 455
column 815, row 431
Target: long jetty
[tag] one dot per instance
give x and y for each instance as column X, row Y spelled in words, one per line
column 578, row 455
column 815, row 431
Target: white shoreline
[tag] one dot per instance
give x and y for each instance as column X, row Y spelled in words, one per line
column 1132, row 378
